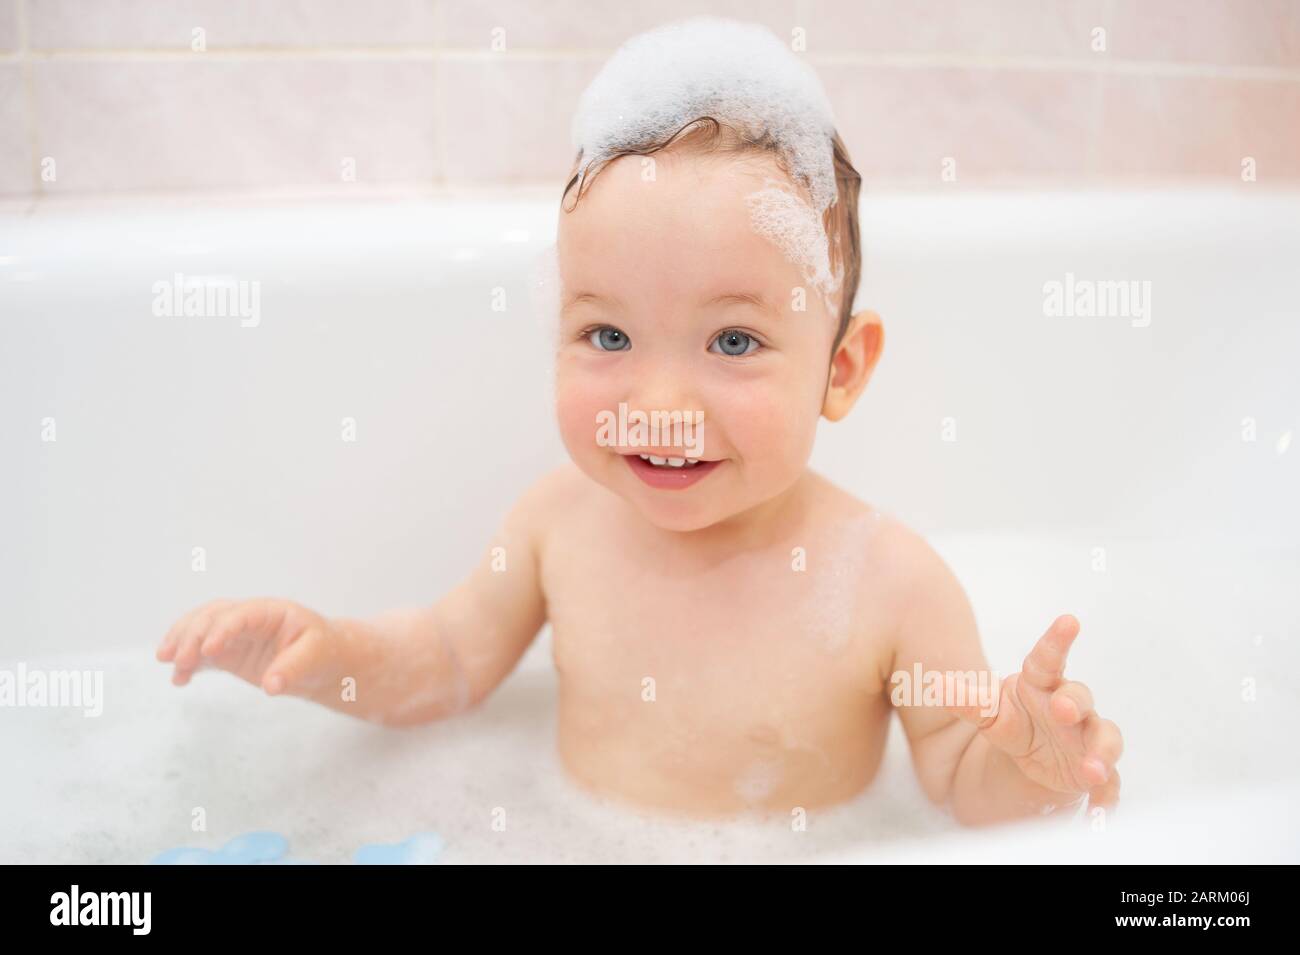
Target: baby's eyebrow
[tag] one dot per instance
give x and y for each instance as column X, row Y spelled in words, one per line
column 742, row 298
column 726, row 298
column 592, row 297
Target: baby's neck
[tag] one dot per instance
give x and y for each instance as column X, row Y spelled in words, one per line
column 760, row 527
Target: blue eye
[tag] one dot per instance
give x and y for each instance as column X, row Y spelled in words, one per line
column 734, row 342
column 609, row 339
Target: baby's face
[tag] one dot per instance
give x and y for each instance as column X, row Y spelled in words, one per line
column 672, row 302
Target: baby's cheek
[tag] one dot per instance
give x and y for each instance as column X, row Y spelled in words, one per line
column 770, row 427
column 579, row 398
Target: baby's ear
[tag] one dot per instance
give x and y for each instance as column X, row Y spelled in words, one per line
column 852, row 364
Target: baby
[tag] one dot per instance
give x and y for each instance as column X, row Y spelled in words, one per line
column 731, row 631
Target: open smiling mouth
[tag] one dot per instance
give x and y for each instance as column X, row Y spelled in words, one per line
column 669, row 473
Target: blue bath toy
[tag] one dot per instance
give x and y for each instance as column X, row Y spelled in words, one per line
column 269, row 848
column 423, row 848
column 252, row 848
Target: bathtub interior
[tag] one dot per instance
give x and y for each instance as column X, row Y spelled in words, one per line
column 1208, row 774
column 175, row 433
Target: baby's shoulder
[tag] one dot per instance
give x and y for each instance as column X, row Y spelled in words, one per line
column 550, row 498
column 891, row 556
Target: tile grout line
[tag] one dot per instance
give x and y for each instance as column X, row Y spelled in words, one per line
column 439, row 114
column 1097, row 117
column 29, row 98
column 889, row 60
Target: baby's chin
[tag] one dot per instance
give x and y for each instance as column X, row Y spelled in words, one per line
column 676, row 518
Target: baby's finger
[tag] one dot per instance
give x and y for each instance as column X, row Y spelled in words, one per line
column 292, row 669
column 181, row 677
column 973, row 696
column 187, row 646
column 1045, row 665
column 1071, row 703
column 1107, row 794
column 259, row 619
column 171, row 641
column 167, row 649
column 1102, row 740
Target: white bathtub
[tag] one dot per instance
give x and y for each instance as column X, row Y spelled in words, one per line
column 1073, row 435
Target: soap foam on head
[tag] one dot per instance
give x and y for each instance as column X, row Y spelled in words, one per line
column 661, row 80
column 738, row 73
column 789, row 222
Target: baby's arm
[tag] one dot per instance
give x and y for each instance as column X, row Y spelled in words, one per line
column 400, row 668
column 1045, row 746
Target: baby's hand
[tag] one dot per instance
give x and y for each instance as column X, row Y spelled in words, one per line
column 1048, row 725
column 275, row 644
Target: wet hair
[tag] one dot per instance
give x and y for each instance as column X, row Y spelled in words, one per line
column 710, row 136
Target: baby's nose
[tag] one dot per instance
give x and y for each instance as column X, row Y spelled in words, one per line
column 665, row 390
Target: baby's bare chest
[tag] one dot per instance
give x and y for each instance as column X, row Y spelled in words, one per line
column 741, row 636
column 730, row 680
column 704, row 677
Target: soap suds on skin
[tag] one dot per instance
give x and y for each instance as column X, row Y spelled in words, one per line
column 835, row 568
column 762, row 777
column 791, row 224
column 758, row 781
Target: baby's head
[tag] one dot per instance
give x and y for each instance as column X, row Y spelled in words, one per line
column 708, row 258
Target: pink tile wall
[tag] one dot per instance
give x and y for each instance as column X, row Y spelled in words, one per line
column 229, row 24
column 9, row 29
column 234, row 123
column 15, row 152
column 414, row 92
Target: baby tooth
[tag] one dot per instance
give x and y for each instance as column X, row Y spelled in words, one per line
column 677, row 462
column 692, row 460
column 658, row 462
column 645, row 457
